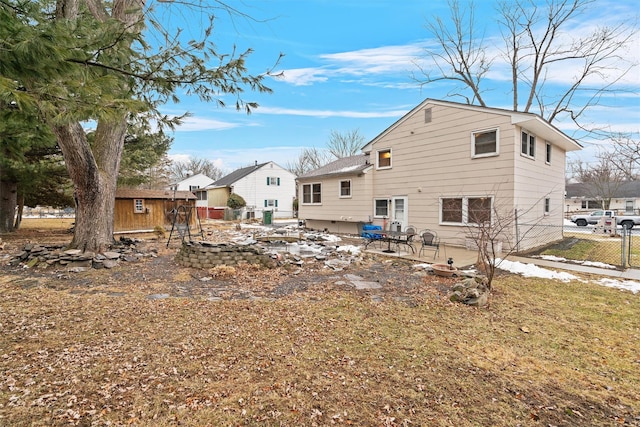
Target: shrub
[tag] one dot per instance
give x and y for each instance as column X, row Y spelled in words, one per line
column 236, row 201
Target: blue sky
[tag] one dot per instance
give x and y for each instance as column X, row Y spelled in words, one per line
column 348, row 66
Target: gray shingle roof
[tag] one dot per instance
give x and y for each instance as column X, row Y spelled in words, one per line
column 628, row 189
column 237, row 175
column 352, row 165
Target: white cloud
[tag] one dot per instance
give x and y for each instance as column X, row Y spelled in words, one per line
column 389, row 60
column 194, row 124
column 330, row 113
column 179, row 158
column 234, row 158
column 305, row 76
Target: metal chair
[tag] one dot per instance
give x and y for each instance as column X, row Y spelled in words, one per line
column 411, row 232
column 429, row 240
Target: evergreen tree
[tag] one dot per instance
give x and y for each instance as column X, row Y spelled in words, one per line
column 79, row 61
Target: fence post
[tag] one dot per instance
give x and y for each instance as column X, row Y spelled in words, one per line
column 626, row 243
column 623, row 245
column 515, row 214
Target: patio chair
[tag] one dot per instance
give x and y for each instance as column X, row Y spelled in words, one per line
column 429, row 240
column 411, row 230
column 406, row 238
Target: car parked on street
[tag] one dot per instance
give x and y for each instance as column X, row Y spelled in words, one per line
column 626, row 221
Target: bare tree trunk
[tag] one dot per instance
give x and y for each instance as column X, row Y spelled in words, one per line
column 19, row 212
column 94, row 169
column 8, row 200
column 94, row 174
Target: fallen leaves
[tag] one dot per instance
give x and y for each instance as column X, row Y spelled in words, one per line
column 308, row 352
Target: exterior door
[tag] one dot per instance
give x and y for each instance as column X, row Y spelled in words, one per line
column 399, row 211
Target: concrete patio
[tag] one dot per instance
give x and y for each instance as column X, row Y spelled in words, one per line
column 461, row 256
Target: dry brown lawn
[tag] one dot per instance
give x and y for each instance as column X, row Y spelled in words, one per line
column 97, row 351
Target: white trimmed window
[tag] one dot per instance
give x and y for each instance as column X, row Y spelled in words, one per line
column 345, row 188
column 484, row 143
column 465, row 210
column 138, row 206
column 527, row 144
column 591, row 204
column 312, row 194
column 270, row 203
column 273, row 180
column 383, row 159
column 547, row 206
column 548, row 153
column 381, row 208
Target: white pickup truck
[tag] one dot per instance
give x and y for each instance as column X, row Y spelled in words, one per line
column 626, row 221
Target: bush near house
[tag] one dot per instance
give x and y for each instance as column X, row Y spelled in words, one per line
column 236, row 201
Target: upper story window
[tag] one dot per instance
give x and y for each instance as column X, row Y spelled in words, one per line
column 345, row 188
column 547, row 206
column 273, row 180
column 312, row 193
column 138, row 205
column 528, row 144
column 384, row 159
column 193, row 187
column 484, row 143
column 548, row 154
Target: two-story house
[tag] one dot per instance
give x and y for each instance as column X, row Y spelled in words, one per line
column 264, row 187
column 446, row 166
column 191, row 183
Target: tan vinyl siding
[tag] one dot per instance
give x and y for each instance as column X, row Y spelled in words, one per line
column 356, row 208
column 432, row 160
column 536, row 180
column 217, row 197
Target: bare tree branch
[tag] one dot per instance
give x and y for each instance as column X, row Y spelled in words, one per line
column 345, row 144
column 460, row 55
column 540, row 42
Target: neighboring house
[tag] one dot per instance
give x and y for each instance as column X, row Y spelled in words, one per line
column 143, row 210
column 194, row 183
column 191, row 183
column 444, row 166
column 624, row 197
column 264, row 187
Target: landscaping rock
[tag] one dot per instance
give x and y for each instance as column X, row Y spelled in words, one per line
column 472, row 291
column 74, row 260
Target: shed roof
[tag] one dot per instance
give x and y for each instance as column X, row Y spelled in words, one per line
column 132, row 193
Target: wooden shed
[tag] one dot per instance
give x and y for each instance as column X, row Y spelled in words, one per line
column 142, row 210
